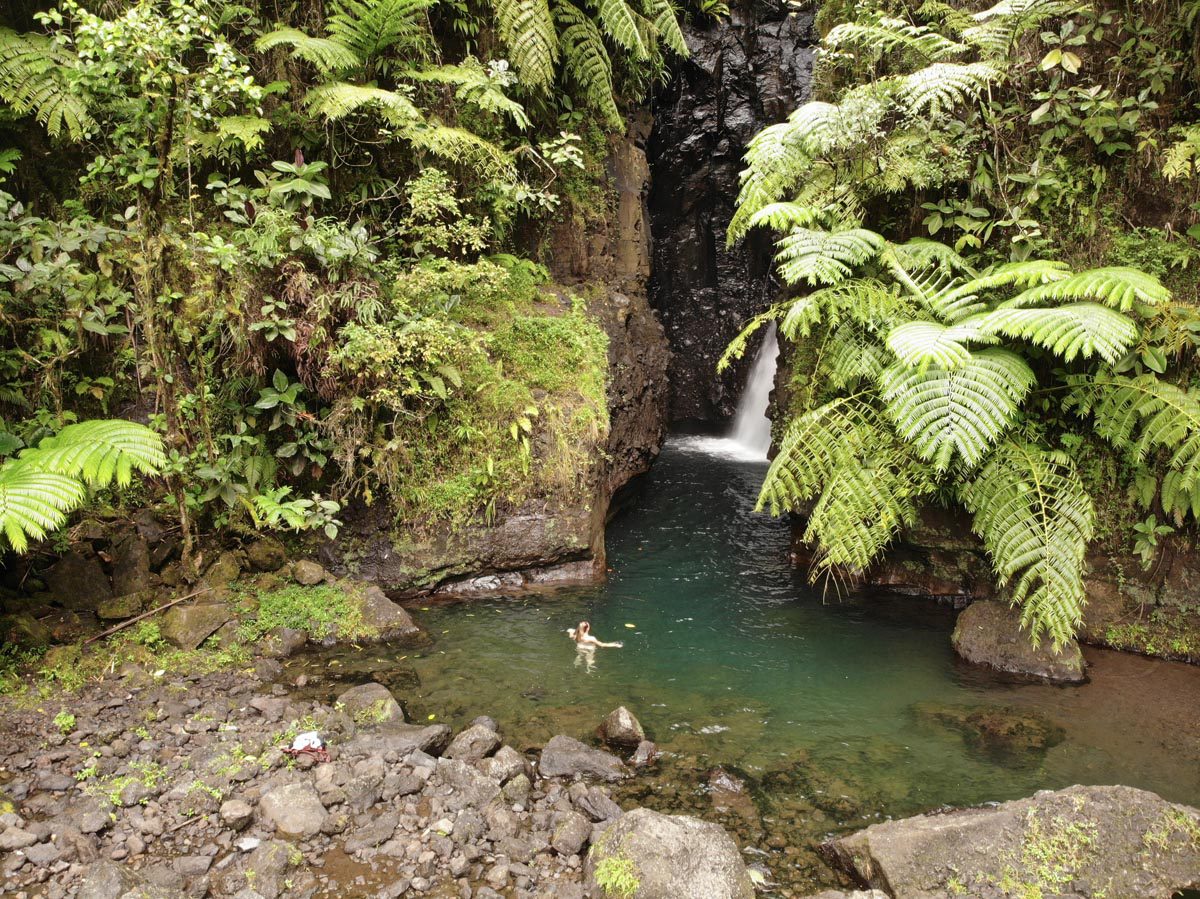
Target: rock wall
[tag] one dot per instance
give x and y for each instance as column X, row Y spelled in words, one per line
column 554, row 540
column 744, row 73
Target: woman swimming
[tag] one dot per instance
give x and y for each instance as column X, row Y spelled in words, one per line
column 583, row 638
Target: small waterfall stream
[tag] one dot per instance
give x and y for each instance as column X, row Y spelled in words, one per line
column 751, row 426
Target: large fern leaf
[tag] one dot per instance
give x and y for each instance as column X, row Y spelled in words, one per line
column 98, row 452
column 324, row 54
column 32, row 80
column 619, row 21
column 665, row 17
column 373, row 28
column 877, row 34
column 457, row 145
column 35, row 503
column 527, row 29
column 824, row 257
column 1118, row 287
column 1078, row 329
column 1036, row 519
column 943, row 86
column 918, row 344
column 473, row 85
column 338, row 99
column 587, row 61
column 957, row 413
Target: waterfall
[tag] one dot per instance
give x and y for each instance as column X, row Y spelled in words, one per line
column 749, row 438
column 751, row 426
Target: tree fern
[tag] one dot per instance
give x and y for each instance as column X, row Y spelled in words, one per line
column 527, row 29
column 1119, row 287
column 959, row 413
column 918, row 344
column 586, row 60
column 825, row 257
column 664, row 16
column 620, row 23
column 32, row 80
column 338, row 99
column 41, row 487
column 943, row 86
column 465, row 148
column 371, row 28
column 1035, row 519
column 851, row 356
column 877, row 34
column 473, row 85
column 324, row 54
column 1079, row 329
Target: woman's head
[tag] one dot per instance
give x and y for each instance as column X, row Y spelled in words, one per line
column 582, row 631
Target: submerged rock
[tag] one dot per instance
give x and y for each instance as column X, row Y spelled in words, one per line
column 989, row 633
column 996, row 728
column 667, row 857
column 1081, row 841
column 371, row 705
column 622, row 729
column 565, row 757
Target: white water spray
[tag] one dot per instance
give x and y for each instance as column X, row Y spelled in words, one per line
column 750, row 436
column 751, row 426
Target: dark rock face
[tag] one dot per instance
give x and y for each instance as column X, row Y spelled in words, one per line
column 744, row 74
column 1113, row 841
column 990, row 633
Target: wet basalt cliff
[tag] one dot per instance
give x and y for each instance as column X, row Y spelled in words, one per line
column 743, row 74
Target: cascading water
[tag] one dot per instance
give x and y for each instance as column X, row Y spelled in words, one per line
column 751, row 426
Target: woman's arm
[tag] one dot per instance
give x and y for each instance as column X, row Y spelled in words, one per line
column 617, row 645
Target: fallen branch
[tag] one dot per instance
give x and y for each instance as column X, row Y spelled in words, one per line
column 125, row 624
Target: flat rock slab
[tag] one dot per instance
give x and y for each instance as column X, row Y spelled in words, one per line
column 371, row 705
column 989, row 633
column 293, row 810
column 647, row 855
column 1085, row 842
column 566, row 757
column 189, row 626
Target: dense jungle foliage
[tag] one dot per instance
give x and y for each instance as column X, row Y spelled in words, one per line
column 988, row 218
column 289, row 255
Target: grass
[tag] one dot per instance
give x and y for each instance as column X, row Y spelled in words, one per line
column 1170, row 633
column 323, row 611
column 616, row 877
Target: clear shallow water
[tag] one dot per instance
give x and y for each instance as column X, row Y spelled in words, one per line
column 733, row 660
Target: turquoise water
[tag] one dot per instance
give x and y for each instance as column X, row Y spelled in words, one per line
column 731, row 658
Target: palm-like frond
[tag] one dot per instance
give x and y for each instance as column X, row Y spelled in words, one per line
column 31, row 81
column 944, row 86
column 1035, row 518
column 1117, row 286
column 664, row 16
column 825, row 257
column 850, row 356
column 527, row 29
column 918, row 344
column 1078, row 329
column 865, row 486
column 586, row 60
column 465, row 148
column 34, row 503
column 338, row 99
column 473, row 86
column 371, row 28
column 961, row 300
column 620, row 23
column 1001, row 24
column 884, row 34
column 961, row 412
column 324, row 54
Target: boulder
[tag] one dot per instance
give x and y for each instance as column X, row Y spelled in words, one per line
column 401, row 739
column 388, row 619
column 371, row 706
column 853, row 894
column 106, row 880
column 77, row 582
column 473, row 744
column 266, row 554
column 989, row 633
column 622, row 729
column 1081, row 841
column 131, row 565
column 571, row 833
column 656, row 856
column 23, row 629
column 293, row 810
column 565, row 757
column 307, row 573
column 188, row 626
column 282, row 642
column 996, row 729
column 126, row 605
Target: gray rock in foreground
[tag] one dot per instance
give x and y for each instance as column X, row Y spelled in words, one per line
column 989, row 633
column 668, row 857
column 565, row 757
column 1086, row 842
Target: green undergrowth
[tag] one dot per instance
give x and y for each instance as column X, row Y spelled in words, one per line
column 1168, row 632
column 323, row 611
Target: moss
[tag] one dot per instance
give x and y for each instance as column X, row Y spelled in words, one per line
column 1166, row 632
column 1175, row 831
column 323, row 611
column 1053, row 851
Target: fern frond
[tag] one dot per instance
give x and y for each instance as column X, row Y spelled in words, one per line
column 665, row 17
column 586, row 60
column 32, row 80
column 962, row 300
column 865, row 487
column 1118, row 286
column 527, row 29
column 851, row 355
column 338, row 99
column 323, row 54
column 943, row 86
column 824, row 257
column 1000, row 25
column 35, row 503
column 1078, row 329
column 473, row 86
column 371, row 28
column 960, row 412
column 737, row 347
column 465, row 148
column 918, row 344
column 884, row 34
column 1036, row 519
column 785, row 216
column 247, row 130
column 620, row 23
column 98, row 452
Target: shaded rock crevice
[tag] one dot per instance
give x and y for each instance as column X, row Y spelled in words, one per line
column 743, row 74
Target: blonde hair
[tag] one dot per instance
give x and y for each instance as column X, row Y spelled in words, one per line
column 582, row 631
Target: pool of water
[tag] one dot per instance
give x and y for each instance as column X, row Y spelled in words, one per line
column 731, row 659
